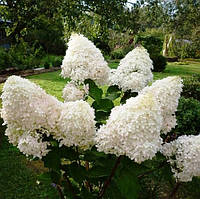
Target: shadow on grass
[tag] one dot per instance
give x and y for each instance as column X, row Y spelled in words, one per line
column 17, row 177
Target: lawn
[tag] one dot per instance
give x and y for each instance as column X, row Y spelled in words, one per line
column 17, row 176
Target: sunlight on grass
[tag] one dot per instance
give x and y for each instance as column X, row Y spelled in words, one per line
column 53, row 83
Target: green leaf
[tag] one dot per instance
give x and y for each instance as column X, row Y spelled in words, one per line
column 113, row 92
column 94, row 91
column 45, row 177
column 101, row 115
column 76, row 171
column 68, row 153
column 113, row 192
column 103, row 105
column 55, row 176
column 113, row 89
column 52, row 159
column 93, row 155
column 128, row 94
column 127, row 183
column 98, row 172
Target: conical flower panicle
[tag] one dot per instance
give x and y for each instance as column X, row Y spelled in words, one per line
column 134, row 71
column 184, row 157
column 84, row 61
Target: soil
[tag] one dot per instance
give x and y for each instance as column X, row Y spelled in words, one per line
column 23, row 73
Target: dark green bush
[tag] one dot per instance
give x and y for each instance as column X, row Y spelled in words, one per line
column 192, row 87
column 152, row 43
column 188, row 117
column 4, row 59
column 23, row 56
column 159, row 63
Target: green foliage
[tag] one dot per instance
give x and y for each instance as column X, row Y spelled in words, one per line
column 117, row 54
column 152, row 43
column 18, row 179
column 180, row 47
column 188, row 117
column 159, row 63
column 23, row 56
column 4, row 59
column 51, row 61
column 192, row 87
column 151, row 179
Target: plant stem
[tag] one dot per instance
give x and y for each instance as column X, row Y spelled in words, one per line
column 70, row 185
column 87, row 182
column 60, row 191
column 174, row 191
column 107, row 182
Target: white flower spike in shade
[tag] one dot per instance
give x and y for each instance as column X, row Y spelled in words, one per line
column 84, row 61
column 184, row 157
column 134, row 71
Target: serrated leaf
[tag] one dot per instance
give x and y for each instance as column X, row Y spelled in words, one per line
column 52, row 159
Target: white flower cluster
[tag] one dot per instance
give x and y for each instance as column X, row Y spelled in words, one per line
column 84, row 61
column 133, row 129
column 134, row 71
column 29, row 113
column 167, row 91
column 71, row 92
column 76, row 125
column 184, row 157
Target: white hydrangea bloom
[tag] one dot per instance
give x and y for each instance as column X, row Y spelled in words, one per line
column 27, row 107
column 30, row 143
column 76, row 125
column 134, row 71
column 167, row 91
column 71, row 92
column 133, row 129
column 29, row 113
column 84, row 61
column 184, row 157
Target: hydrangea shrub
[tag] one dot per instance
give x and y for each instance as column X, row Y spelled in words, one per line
column 94, row 149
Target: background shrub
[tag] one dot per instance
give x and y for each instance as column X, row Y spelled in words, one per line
column 4, row 59
column 159, row 63
column 192, row 87
column 117, row 54
column 23, row 56
column 188, row 117
column 153, row 44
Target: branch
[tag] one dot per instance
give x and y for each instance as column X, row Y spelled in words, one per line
column 60, row 191
column 174, row 191
column 107, row 182
column 70, row 185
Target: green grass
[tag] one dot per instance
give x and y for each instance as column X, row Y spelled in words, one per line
column 17, row 179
